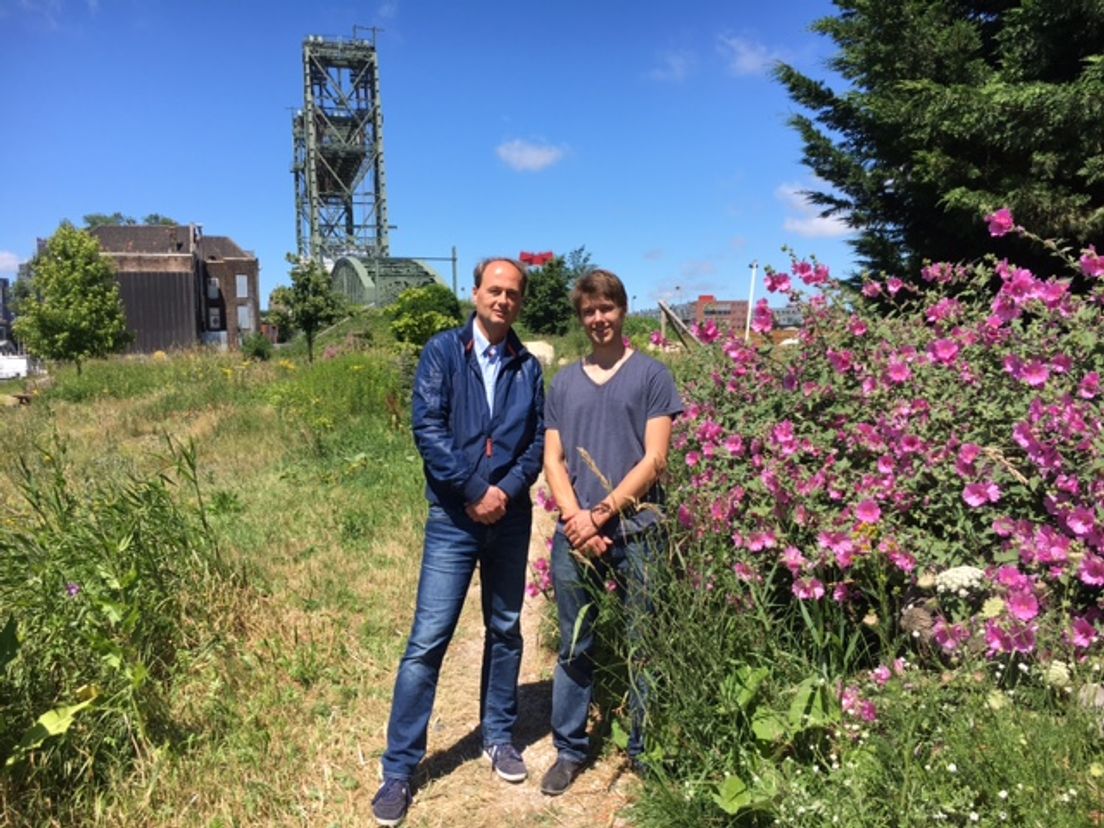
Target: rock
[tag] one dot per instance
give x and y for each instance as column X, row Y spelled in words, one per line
column 543, row 351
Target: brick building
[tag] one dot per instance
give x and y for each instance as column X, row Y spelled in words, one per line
column 180, row 288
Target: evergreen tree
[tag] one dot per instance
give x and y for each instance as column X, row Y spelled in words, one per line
column 71, row 310
column 956, row 108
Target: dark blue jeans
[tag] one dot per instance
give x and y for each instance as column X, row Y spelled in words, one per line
column 627, row 564
column 454, row 546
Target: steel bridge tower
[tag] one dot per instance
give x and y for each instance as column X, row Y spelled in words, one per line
column 340, row 184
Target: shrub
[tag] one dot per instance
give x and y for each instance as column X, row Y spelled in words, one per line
column 256, row 346
column 919, row 477
column 421, row 312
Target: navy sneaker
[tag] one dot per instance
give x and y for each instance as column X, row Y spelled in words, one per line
column 391, row 802
column 559, row 777
column 506, row 762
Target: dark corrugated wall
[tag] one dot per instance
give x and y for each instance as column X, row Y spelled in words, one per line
column 160, row 310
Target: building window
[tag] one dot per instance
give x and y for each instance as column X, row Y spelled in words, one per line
column 243, row 286
column 245, row 317
column 214, row 319
column 212, row 289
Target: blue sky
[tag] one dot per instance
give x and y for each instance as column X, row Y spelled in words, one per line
column 651, row 134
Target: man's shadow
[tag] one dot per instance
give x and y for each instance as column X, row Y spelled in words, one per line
column 533, row 724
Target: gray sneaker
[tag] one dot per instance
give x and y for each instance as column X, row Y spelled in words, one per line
column 391, row 802
column 506, row 762
column 559, row 777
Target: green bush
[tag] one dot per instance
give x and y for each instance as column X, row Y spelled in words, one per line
column 256, row 346
column 105, row 585
column 421, row 312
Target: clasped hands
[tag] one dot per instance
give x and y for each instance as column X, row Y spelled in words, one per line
column 582, row 533
column 490, row 508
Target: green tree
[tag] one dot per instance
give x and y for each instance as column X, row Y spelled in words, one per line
column 158, row 219
column 71, row 310
column 419, row 313
column 93, row 220
column 312, row 302
column 279, row 313
column 955, row 108
column 547, row 308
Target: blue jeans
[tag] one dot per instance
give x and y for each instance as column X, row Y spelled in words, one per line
column 454, row 545
column 627, row 563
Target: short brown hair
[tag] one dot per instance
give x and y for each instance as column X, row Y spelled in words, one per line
column 599, row 284
column 484, row 263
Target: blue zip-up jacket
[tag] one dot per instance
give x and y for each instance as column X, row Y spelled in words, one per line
column 465, row 450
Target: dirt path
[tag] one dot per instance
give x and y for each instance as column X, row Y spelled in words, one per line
column 458, row 787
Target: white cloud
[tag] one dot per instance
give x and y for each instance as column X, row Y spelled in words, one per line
column 525, row 156
column 745, row 56
column 673, row 66
column 695, row 269
column 388, row 10
column 9, row 262
column 808, row 222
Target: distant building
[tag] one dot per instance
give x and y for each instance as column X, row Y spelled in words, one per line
column 726, row 313
column 181, row 288
column 787, row 317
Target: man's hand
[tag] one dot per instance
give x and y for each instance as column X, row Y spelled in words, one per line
column 490, row 508
column 579, row 528
column 596, row 547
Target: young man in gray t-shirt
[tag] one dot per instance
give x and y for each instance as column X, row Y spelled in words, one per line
column 608, row 421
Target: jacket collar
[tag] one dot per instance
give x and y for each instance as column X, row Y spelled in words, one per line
column 514, row 348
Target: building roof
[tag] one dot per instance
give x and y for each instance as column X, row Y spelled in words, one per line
column 221, row 247
column 144, row 238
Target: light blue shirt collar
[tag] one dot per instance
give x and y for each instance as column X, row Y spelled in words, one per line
column 489, row 358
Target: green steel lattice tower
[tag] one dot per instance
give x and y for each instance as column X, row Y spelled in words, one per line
column 340, row 185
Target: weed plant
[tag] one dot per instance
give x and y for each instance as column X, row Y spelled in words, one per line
column 105, row 584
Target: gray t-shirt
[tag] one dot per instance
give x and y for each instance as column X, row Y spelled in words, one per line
column 607, row 421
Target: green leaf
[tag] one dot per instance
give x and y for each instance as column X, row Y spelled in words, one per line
column 769, row 726
column 619, row 736
column 50, row 724
column 732, row 795
column 9, row 642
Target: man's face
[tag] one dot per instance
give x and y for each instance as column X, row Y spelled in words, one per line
column 498, row 299
column 602, row 320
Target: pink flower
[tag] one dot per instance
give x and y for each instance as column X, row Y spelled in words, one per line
column 692, row 458
column 898, row 371
column 793, row 560
column 1022, row 604
column 1092, row 570
column 745, row 573
column 658, row 339
column 758, row 541
column 762, row 320
column 611, row 586
column 1082, row 634
column 949, row 636
column 894, row 285
column 880, row 675
column 1090, row 386
column 996, row 639
column 778, row 282
column 902, row 560
column 868, row 711
column 1092, row 265
column 685, row 516
column 1035, row 373
column 807, row 589
column 868, row 512
column 1001, row 222
column 1080, row 521
column 871, row 290
column 532, row 590
column 841, row 593
column 943, row 351
column 856, row 326
column 978, row 494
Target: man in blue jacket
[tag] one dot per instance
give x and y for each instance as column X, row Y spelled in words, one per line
column 479, row 426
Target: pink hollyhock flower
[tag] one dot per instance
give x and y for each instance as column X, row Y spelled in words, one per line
column 693, row 458
column 1022, row 637
column 1092, row 265
column 1092, row 570
column 996, row 639
column 658, row 339
column 1012, row 578
column 1035, row 373
column 611, row 586
column 541, row 564
column 532, row 590
column 758, row 541
column 707, row 334
column 902, row 560
column 793, row 560
column 868, row 512
column 1090, row 386
column 807, row 589
column 868, row 711
column 762, row 320
column 1081, row 521
column 894, row 285
column 841, row 360
column 949, row 636
column 856, row 327
column 685, row 516
column 978, row 494
column 1022, row 604
column 841, row 593
column 1082, row 634
column 778, row 282
column 943, row 351
column 871, row 290
column 849, row 699
column 734, row 445
column 898, row 371
column 746, row 573
column 880, row 675
column 1001, row 222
